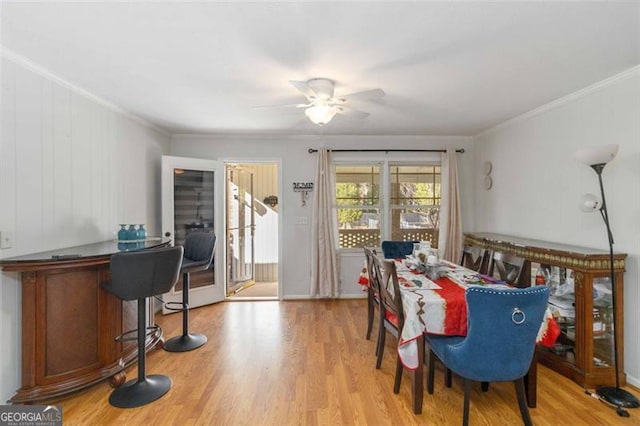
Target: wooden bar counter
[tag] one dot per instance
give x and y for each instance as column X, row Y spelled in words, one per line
column 69, row 323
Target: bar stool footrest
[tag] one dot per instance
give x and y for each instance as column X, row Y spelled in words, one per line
column 182, row 306
column 154, row 331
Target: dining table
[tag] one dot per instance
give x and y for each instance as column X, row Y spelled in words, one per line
column 436, row 304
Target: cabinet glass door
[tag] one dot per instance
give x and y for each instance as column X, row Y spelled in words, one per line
column 602, row 323
column 562, row 304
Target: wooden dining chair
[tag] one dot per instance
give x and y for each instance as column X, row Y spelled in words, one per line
column 506, row 267
column 392, row 313
column 475, row 258
column 373, row 290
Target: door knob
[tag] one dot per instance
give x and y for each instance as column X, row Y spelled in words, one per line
column 167, row 234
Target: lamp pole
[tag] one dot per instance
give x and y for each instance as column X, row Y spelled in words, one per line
column 613, row 395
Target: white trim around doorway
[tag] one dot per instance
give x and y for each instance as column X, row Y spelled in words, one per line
column 281, row 208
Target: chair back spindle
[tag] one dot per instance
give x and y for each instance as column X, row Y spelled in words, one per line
column 506, row 267
column 474, row 258
column 390, row 289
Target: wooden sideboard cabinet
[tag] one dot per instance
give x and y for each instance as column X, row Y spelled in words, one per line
column 581, row 301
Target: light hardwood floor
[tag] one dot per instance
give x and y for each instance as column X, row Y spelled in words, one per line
column 308, row 363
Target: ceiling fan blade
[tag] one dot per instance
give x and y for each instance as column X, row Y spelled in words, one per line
column 350, row 112
column 365, row 94
column 303, row 87
column 281, row 106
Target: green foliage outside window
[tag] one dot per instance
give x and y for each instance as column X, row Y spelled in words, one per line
column 348, row 194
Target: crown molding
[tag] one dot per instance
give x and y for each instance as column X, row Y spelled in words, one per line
column 563, row 100
column 43, row 72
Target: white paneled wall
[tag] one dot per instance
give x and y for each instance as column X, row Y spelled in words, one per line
column 537, row 183
column 71, row 169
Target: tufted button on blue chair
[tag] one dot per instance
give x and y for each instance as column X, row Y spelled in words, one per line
column 199, row 248
column 503, row 326
column 136, row 276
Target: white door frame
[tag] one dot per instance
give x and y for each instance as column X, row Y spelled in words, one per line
column 207, row 294
column 281, row 209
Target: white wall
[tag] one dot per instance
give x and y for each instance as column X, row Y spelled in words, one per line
column 71, row 169
column 298, row 165
column 537, row 183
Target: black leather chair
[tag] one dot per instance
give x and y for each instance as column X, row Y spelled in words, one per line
column 136, row 276
column 199, row 248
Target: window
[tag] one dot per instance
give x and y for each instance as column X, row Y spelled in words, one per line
column 358, row 205
column 415, row 203
column 395, row 201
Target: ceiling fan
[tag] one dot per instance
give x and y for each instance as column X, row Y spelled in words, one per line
column 323, row 104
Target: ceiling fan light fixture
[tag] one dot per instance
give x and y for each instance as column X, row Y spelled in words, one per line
column 322, row 87
column 320, row 114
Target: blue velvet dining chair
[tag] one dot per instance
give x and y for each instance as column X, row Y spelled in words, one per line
column 502, row 328
column 397, row 249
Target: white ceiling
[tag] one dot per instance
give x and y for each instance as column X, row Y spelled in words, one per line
column 448, row 68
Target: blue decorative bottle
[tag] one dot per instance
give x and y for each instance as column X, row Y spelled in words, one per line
column 122, row 233
column 142, row 233
column 132, row 234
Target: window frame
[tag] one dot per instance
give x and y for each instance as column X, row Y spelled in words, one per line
column 385, row 166
column 400, row 207
column 381, row 201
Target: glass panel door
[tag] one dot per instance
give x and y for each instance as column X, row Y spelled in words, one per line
column 240, row 228
column 189, row 188
column 193, row 212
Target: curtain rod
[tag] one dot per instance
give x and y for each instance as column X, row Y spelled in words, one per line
column 461, row 151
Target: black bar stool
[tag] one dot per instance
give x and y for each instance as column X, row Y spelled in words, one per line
column 136, row 276
column 199, row 248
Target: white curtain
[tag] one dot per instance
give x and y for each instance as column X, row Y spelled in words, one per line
column 325, row 281
column 450, row 238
